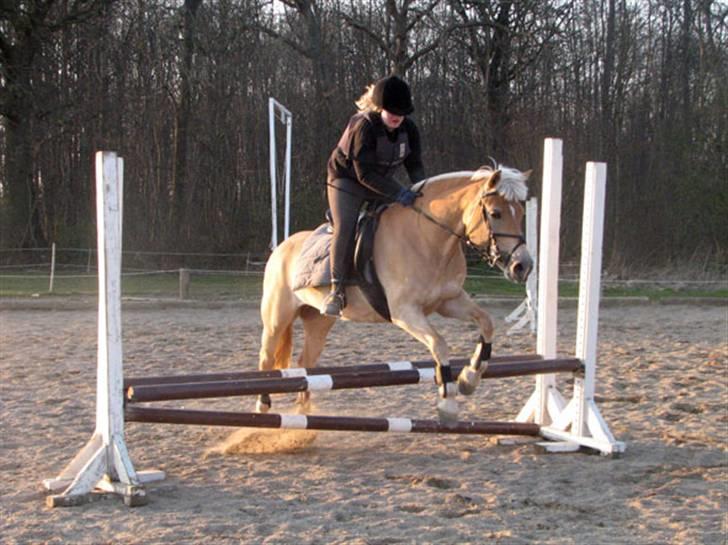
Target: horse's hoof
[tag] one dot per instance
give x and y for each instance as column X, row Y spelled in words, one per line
column 447, row 410
column 468, row 381
column 262, row 407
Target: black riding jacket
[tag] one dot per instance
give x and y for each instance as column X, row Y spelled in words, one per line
column 370, row 153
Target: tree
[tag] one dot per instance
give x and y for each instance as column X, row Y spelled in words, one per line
column 504, row 39
column 180, row 182
column 393, row 34
column 26, row 27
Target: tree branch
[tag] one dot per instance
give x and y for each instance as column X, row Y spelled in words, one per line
column 356, row 25
column 421, row 14
column 278, row 36
column 437, row 42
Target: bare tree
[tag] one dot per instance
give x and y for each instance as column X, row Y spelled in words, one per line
column 25, row 27
column 180, row 89
column 179, row 186
column 503, row 39
column 393, row 34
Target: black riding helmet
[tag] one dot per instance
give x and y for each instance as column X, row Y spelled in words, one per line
column 393, row 94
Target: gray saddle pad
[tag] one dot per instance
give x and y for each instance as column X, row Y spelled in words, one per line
column 313, row 269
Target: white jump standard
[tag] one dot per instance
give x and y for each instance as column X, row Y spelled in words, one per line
column 578, row 423
column 104, row 462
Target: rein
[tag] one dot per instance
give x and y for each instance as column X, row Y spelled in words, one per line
column 492, row 255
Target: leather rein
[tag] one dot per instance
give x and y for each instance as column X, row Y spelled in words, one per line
column 492, row 255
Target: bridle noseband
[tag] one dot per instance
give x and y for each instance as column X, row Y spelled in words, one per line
column 492, row 255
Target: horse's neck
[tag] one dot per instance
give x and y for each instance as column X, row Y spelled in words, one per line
column 444, row 203
column 448, row 197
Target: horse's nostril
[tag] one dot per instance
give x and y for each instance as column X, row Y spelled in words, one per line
column 520, row 271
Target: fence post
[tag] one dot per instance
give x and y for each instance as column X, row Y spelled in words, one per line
column 184, row 283
column 53, row 267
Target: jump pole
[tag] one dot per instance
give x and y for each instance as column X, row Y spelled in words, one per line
column 298, row 380
column 327, row 423
column 495, row 364
column 104, row 462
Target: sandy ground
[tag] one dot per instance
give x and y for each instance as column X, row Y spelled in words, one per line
column 662, row 387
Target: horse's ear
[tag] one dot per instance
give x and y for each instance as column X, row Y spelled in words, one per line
column 492, row 182
column 527, row 174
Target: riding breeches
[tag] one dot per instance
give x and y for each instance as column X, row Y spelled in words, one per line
column 346, row 197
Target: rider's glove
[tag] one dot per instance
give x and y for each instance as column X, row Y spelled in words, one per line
column 405, row 197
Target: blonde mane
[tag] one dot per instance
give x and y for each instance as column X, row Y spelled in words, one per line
column 511, row 186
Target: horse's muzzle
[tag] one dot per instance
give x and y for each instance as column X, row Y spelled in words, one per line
column 520, row 265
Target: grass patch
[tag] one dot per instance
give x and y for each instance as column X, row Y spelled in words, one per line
column 657, row 293
column 250, row 287
column 202, row 286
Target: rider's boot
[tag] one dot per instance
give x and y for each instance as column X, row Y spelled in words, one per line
column 335, row 301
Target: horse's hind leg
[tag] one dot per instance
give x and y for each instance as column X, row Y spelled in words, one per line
column 276, row 344
column 316, row 328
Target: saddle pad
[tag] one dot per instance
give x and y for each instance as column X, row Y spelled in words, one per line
column 313, row 269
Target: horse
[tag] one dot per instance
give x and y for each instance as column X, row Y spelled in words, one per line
column 420, row 261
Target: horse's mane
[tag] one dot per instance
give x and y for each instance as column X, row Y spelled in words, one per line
column 511, row 186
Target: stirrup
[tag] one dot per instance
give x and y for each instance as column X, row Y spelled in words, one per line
column 334, row 303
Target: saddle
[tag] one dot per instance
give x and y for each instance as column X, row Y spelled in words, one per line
column 313, row 269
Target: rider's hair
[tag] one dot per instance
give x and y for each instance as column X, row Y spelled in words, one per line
column 365, row 103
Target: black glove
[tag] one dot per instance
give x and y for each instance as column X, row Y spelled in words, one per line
column 405, row 197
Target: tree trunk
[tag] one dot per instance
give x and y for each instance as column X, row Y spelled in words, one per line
column 23, row 228
column 24, row 225
column 499, row 80
column 180, row 182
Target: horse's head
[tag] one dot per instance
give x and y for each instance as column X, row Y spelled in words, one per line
column 493, row 226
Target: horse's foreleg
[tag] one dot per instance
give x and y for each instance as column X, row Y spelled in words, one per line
column 464, row 308
column 414, row 322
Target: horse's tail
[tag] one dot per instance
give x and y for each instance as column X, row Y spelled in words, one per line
column 284, row 349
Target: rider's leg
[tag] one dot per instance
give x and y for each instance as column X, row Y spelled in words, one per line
column 345, row 199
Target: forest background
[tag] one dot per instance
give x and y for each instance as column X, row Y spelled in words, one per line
column 180, row 89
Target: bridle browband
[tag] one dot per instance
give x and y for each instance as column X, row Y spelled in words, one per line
column 492, row 255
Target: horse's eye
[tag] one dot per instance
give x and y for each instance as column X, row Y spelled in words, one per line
column 495, row 214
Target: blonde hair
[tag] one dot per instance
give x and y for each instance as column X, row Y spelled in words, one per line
column 365, row 103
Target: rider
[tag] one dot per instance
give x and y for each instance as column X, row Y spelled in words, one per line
column 376, row 141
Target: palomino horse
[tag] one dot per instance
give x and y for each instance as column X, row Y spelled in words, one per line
column 419, row 258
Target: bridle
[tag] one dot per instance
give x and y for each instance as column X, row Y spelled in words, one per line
column 492, row 254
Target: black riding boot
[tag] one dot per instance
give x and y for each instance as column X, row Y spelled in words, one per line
column 335, row 301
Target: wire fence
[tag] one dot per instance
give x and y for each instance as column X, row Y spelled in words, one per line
column 67, row 271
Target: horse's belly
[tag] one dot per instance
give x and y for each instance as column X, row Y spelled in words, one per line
column 357, row 307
